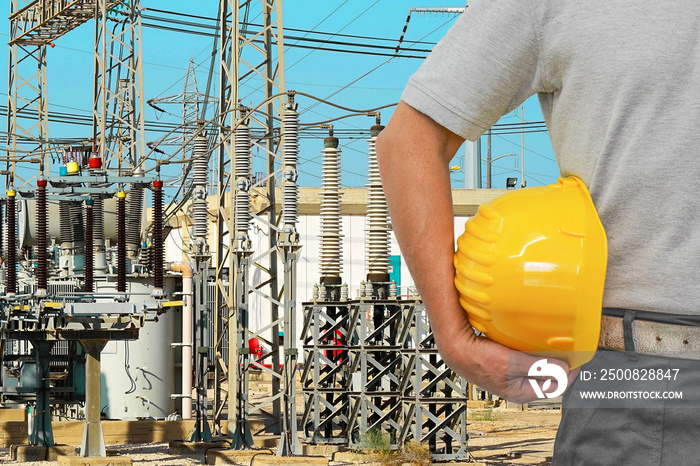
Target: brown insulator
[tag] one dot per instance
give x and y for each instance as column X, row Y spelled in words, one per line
column 121, row 242
column 158, row 234
column 10, row 250
column 89, row 246
column 42, row 272
column 2, row 244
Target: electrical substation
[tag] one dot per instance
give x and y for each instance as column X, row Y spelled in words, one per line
column 119, row 306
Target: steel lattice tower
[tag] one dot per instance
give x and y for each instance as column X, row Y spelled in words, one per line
column 241, row 58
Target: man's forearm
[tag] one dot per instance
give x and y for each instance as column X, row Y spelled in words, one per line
column 414, row 154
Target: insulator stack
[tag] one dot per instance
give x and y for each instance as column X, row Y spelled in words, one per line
column 133, row 218
column 377, row 233
column 66, row 227
column 200, row 165
column 41, row 237
column 121, row 242
column 242, row 171
column 98, row 220
column 76, row 220
column 290, row 158
column 89, row 245
column 157, row 234
column 330, row 237
column 2, row 243
column 10, row 250
column 145, row 257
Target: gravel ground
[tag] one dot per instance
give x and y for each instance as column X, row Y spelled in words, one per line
column 148, row 454
column 497, row 437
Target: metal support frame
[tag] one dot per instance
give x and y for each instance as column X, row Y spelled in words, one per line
column 27, row 112
column 118, row 119
column 42, row 432
column 325, row 377
column 373, row 365
column 434, row 397
column 241, row 59
column 376, row 368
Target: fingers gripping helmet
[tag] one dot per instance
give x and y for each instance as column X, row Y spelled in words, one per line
column 530, row 270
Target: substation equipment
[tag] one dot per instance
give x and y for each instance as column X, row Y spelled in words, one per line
column 84, row 278
column 371, row 364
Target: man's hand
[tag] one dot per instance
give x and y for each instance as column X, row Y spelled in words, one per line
column 414, row 154
column 495, row 368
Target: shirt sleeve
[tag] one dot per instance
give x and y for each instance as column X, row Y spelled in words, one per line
column 486, row 65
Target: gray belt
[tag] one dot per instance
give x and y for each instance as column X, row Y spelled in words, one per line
column 627, row 332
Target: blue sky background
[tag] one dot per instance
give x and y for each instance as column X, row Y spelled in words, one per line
column 325, row 74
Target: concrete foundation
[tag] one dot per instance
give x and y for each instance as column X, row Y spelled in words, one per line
column 28, row 453
column 261, row 458
column 178, row 447
column 94, row 461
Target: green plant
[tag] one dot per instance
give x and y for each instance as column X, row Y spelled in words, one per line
column 377, row 446
column 416, row 453
column 374, row 441
column 485, row 415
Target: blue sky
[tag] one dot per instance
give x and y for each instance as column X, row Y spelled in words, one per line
column 325, row 74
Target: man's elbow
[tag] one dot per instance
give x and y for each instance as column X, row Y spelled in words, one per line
column 384, row 145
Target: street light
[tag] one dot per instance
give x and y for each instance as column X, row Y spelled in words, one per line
column 489, row 161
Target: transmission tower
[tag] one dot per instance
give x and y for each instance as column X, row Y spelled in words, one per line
column 118, row 121
column 189, row 100
column 241, row 58
column 27, row 134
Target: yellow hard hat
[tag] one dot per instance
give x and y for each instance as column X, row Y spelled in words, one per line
column 530, row 270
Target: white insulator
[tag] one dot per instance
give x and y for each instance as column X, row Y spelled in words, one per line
column 200, row 229
column 331, row 249
column 344, row 292
column 322, row 293
column 290, row 157
column 314, row 292
column 362, row 289
column 377, row 231
column 393, row 289
column 243, row 164
column 200, row 163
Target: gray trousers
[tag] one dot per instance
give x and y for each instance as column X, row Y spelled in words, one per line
column 634, row 430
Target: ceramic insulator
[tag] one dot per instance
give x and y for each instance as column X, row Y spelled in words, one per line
column 290, row 157
column 199, row 184
column 331, row 259
column 377, row 232
column 134, row 209
column 98, row 219
column 242, row 175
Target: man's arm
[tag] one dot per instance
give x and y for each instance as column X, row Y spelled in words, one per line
column 414, row 154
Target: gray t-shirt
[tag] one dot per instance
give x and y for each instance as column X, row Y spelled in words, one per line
column 619, row 86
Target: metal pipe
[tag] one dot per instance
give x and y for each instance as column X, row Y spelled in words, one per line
column 187, row 335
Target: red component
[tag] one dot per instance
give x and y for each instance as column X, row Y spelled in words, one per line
column 95, row 162
column 158, row 184
column 255, row 347
column 41, row 183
